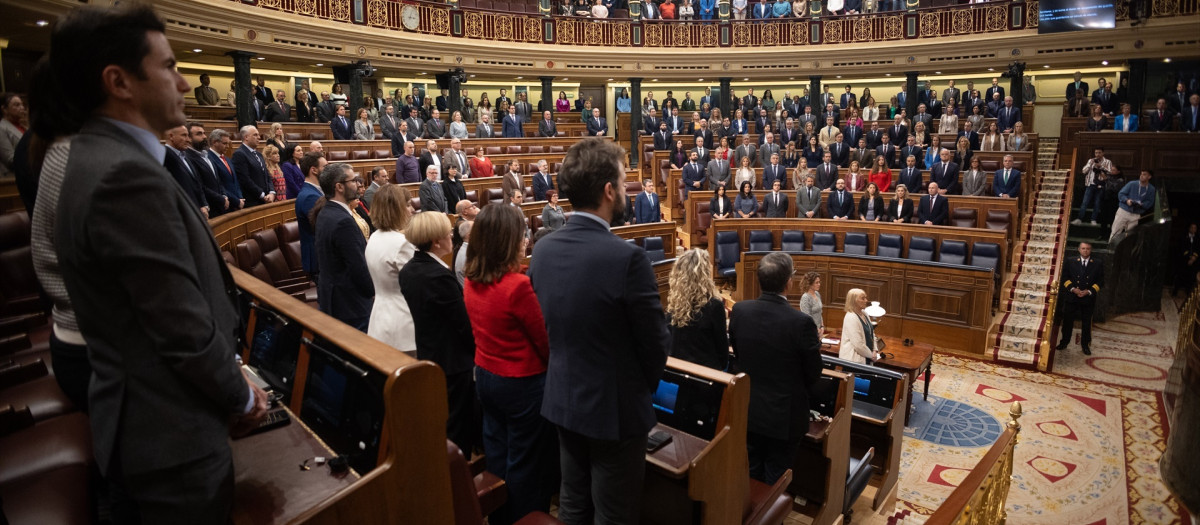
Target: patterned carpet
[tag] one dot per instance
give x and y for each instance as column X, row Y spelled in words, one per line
column 1132, row 350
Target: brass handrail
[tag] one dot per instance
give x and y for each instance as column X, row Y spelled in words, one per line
column 980, row 498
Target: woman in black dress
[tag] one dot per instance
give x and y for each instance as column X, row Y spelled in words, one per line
column 696, row 312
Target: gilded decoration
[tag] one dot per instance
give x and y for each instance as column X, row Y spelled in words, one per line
column 769, row 35
column 833, row 31
column 377, row 13
column 306, row 7
column 862, row 29
column 621, row 34
column 339, row 10
column 654, row 36
column 504, row 27
column 566, row 31
column 708, row 35
column 741, row 35
column 930, row 25
column 1031, row 13
column 274, row 4
column 799, row 33
column 893, row 28
column 997, row 18
column 1166, row 7
column 474, row 24
column 593, row 34
column 962, row 21
column 533, row 30
column 441, row 21
column 683, row 35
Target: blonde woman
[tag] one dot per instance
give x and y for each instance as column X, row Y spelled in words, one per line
column 696, row 312
column 275, row 171
column 276, row 137
column 744, row 173
column 858, row 336
column 387, row 252
column 810, row 302
column 949, row 121
column 1018, row 140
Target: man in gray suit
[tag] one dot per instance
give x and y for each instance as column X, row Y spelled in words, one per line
column 747, row 149
column 431, row 194
column 718, row 173
column 456, row 157
column 153, row 298
column 435, row 127
column 768, row 148
column 388, row 123
column 808, row 199
column 483, row 130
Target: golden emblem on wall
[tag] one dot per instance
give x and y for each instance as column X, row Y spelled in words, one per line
column 441, row 21
column 533, row 30
column 377, row 13
column 930, row 24
column 473, row 24
column 339, row 10
column 708, row 35
column 306, row 7
column 503, row 27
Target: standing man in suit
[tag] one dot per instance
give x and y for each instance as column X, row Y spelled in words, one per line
column 1160, row 119
column 340, row 126
column 1008, row 116
column 416, row 126
column 933, row 209
column 750, row 102
column 524, row 110
column 912, row 150
column 808, row 199
column 1006, row 182
column 251, row 170
column 401, row 137
column 597, row 126
column 864, row 154
column 995, row 88
column 608, row 339
column 911, row 176
column 887, row 150
column 546, row 126
column 898, row 132
column 950, row 95
column 389, row 125
column 775, row 204
column 1081, row 280
column 841, row 202
column 431, row 194
column 827, row 172
column 152, row 296
column 279, row 110
column 945, row 174
column 218, row 144
column 512, row 124
column 718, row 173
column 650, row 123
column 767, row 148
column 512, row 183
column 483, row 130
column 457, row 158
column 430, row 157
column 178, row 166
column 747, row 149
column 693, row 174
column 774, row 171
column 311, row 164
column 345, row 290
column 435, row 128
column 646, row 208
column 1077, row 85
column 663, row 138
column 874, row 136
column 779, row 346
column 214, row 193
column 542, row 181
column 262, row 92
column 1189, row 118
column 969, row 132
column 325, row 110
column 205, row 94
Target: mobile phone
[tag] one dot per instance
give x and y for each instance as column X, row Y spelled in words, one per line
column 657, row 440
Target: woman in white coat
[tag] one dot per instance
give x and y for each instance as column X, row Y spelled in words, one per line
column 858, row 336
column 387, row 252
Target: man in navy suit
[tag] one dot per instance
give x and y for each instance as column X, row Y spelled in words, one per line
column 945, row 174
column 1081, row 280
column 608, row 341
column 311, row 164
column 911, row 177
column 1189, row 118
column 340, row 126
column 218, row 145
column 775, row 203
column 912, row 150
column 542, row 181
column 251, row 170
column 646, row 209
column 774, row 171
column 693, row 174
column 1007, row 116
column 779, row 347
column 933, row 209
column 597, row 126
column 511, row 125
column 841, row 202
column 969, row 132
column 345, row 290
column 1007, row 180
column 847, row 98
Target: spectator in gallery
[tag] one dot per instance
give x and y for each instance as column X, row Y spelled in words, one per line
column 667, row 9
column 696, row 312
column 1098, row 121
column 599, row 10
column 858, row 342
column 687, row 12
column 739, row 9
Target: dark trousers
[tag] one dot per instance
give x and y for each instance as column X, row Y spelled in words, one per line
column 769, row 457
column 519, row 443
column 601, row 480
column 1077, row 310
column 197, row 492
column 72, row 370
column 461, row 425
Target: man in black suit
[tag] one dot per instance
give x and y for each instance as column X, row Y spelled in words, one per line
column 1081, row 280
column 911, row 177
column 887, row 151
column 608, row 341
column 1077, row 85
column 546, row 126
column 1161, row 117
column 774, row 171
column 341, row 126
column 912, row 150
column 972, row 136
column 279, row 110
column 827, row 172
column 430, row 157
column 749, row 102
column 597, row 126
column 345, row 290
column 775, row 203
column 933, row 209
column 650, row 124
column 994, row 88
column 214, row 194
column 177, row 164
column 251, row 170
column 150, row 292
column 663, row 138
column 874, row 136
column 778, row 346
column 945, row 174
column 898, row 132
column 839, row 151
column 841, row 202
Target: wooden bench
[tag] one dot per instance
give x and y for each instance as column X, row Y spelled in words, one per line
column 824, row 453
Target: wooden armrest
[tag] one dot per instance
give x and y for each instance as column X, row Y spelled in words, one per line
column 478, row 465
column 292, row 281
column 13, row 420
column 491, row 491
column 23, row 373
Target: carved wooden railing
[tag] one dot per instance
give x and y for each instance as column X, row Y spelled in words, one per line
column 980, row 498
column 443, row 19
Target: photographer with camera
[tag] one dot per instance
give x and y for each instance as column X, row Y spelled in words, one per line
column 1095, row 173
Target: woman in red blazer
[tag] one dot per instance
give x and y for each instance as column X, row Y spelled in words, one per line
column 481, row 166
column 512, row 350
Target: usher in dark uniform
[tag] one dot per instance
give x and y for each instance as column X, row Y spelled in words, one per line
column 1083, row 274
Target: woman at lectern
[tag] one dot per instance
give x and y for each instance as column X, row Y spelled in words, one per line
column 696, row 312
column 858, row 336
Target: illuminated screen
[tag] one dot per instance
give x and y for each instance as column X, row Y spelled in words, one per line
column 1056, row 16
column 665, row 397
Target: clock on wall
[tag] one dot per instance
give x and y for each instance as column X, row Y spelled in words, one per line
column 410, row 17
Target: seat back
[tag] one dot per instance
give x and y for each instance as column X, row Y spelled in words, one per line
column 964, row 217
column 495, row 196
column 415, row 204
column 998, row 219
column 855, row 243
column 760, row 241
column 338, row 156
column 890, row 245
column 272, row 257
column 16, row 262
column 462, row 488
column 729, row 250
column 473, row 196
column 792, row 241
column 535, row 224
column 288, row 234
column 703, row 221
column 953, row 252
column 985, row 255
column 360, row 154
column 383, row 153
column 514, row 150
column 249, row 260
column 535, row 149
column 823, row 242
column 857, row 477
column 654, row 249
column 920, row 248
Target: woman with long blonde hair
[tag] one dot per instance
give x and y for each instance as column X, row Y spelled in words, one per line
column 696, row 312
column 858, row 335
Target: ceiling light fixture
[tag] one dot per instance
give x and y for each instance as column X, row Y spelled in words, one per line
column 42, row 23
column 320, row 65
column 1167, row 60
column 1104, row 62
column 991, row 69
column 937, row 72
column 261, row 58
column 1047, row 66
column 197, row 50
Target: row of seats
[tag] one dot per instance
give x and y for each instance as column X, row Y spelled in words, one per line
column 273, row 256
column 386, row 153
column 45, row 443
column 653, row 246
column 982, row 254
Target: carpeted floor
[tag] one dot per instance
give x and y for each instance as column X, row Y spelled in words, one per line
column 1092, row 431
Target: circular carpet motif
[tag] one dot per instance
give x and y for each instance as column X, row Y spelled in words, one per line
column 1127, row 368
column 1125, row 328
column 951, row 423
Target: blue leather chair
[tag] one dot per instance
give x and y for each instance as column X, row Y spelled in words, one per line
column 760, row 240
column 920, row 249
column 890, row 245
column 823, row 242
column 953, row 252
column 729, row 252
column 985, row 255
column 654, row 249
column 855, row 243
column 792, row 241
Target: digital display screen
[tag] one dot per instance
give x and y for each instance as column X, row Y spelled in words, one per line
column 862, row 386
column 688, row 403
column 665, row 397
column 1057, row 16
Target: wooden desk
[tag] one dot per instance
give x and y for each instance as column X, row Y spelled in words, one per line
column 911, row 361
column 270, row 487
column 674, row 458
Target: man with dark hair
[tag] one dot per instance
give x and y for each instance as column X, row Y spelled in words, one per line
column 311, row 165
column 647, row 207
column 345, row 290
column 1081, row 280
column 205, row 94
column 151, row 294
column 183, row 172
column 214, row 194
column 608, row 341
column 779, row 347
column 218, row 145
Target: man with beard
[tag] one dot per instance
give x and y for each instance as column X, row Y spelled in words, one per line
column 214, row 194
column 344, row 290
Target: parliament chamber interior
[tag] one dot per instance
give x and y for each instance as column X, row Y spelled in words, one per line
column 972, row 413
